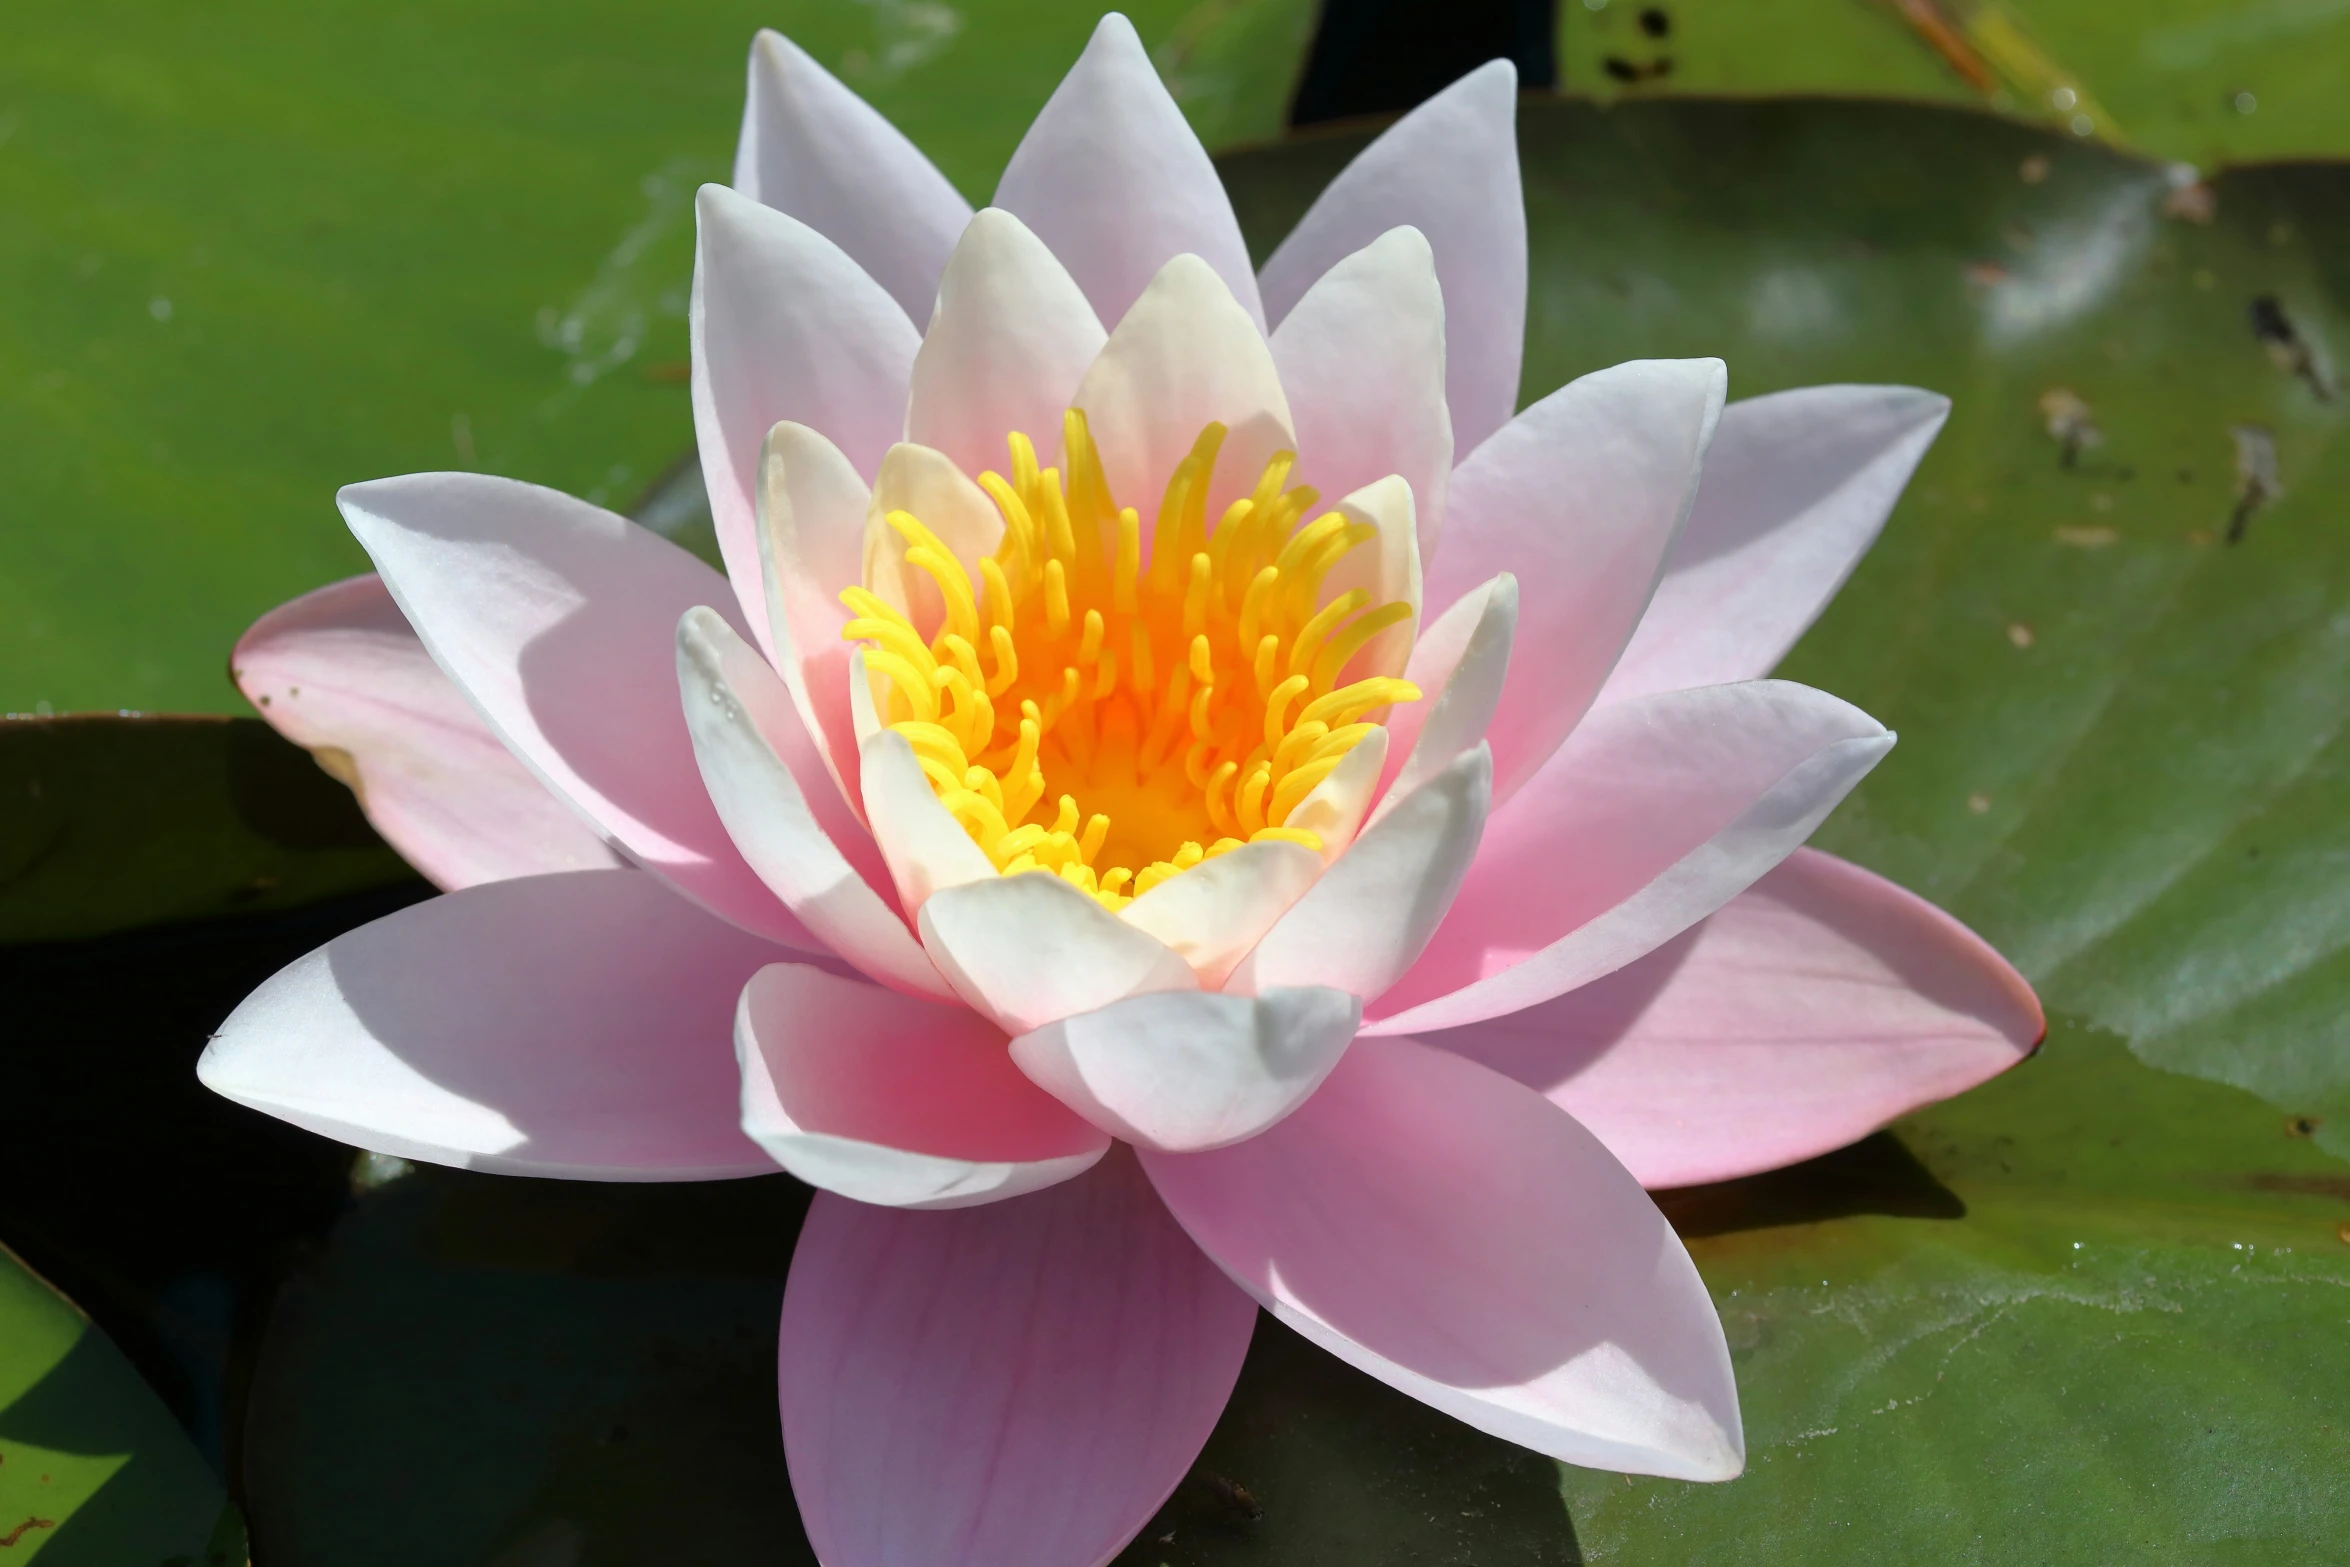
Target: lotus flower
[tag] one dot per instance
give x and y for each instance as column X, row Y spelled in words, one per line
column 1161, row 837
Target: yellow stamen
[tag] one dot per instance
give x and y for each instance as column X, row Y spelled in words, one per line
column 1226, row 714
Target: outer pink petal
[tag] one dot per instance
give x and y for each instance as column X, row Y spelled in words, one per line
column 1362, row 362
column 814, row 149
column 783, row 325
column 1580, row 497
column 1448, row 1232
column 1796, row 486
column 1019, row 1385
column 1813, row 1008
column 574, row 1025
column 1112, row 178
column 559, row 621
column 895, row 1101
column 1450, row 169
column 341, row 673
column 1654, row 814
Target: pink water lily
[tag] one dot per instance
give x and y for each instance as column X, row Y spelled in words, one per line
column 1111, row 871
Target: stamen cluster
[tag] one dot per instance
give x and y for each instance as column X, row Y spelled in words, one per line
column 1193, row 702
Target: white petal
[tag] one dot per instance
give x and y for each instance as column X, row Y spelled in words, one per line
column 1188, row 1071
column 1462, row 663
column 927, row 849
column 572, row 1025
column 1112, row 178
column 943, row 499
column 733, row 703
column 1011, row 338
column 814, row 149
column 1450, row 169
column 812, row 511
column 783, row 325
column 1796, row 486
column 890, row 1100
column 1213, row 913
column 1366, row 920
column 1186, row 355
column 1362, row 361
column 1030, row 949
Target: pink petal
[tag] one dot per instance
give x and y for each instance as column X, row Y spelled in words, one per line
column 1810, row 1010
column 1655, row 813
column 814, row 149
column 340, row 672
column 1010, row 341
column 1362, row 925
column 811, row 520
column 1019, row 1385
column 830, row 874
column 1030, row 949
column 1111, row 177
column 1450, row 169
column 1184, row 356
column 1362, row 360
column 1441, row 1228
column 783, row 325
column 1796, row 486
column 559, row 622
column 890, row 1100
column 572, row 1025
column 1580, row 497
column 1182, row 1071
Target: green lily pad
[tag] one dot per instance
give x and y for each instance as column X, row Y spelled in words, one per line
column 2200, row 80
column 110, row 823
column 93, row 1470
column 253, row 255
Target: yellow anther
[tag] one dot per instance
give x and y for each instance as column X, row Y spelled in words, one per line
column 1007, row 660
column 1056, row 599
column 1277, row 708
column 1202, row 660
column 1331, row 662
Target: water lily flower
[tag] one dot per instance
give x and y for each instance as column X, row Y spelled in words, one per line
column 1181, row 801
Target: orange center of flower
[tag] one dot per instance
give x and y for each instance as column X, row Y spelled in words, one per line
column 1115, row 722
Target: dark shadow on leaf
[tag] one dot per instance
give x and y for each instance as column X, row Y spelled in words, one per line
column 1877, row 1175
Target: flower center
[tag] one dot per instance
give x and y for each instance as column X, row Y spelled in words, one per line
column 1116, row 722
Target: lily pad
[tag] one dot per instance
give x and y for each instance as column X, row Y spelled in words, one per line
column 92, row 1468
column 2201, row 80
column 110, row 823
